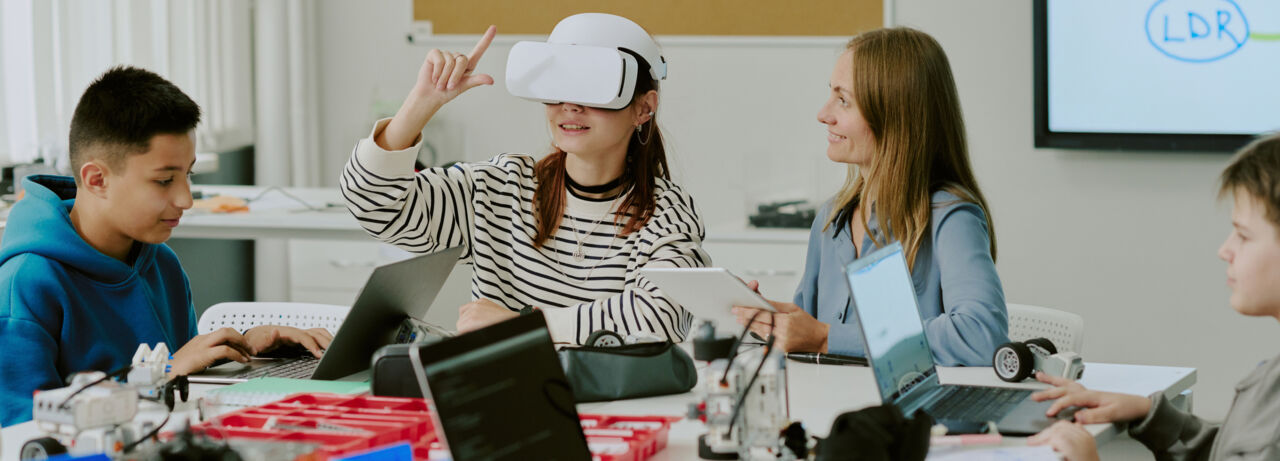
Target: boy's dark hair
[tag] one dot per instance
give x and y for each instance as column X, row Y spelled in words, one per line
column 121, row 111
column 1256, row 169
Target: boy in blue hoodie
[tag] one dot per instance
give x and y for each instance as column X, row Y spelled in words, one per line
column 84, row 274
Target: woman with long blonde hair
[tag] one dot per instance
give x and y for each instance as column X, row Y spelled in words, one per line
column 893, row 116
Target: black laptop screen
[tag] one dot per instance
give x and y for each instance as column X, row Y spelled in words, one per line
column 500, row 393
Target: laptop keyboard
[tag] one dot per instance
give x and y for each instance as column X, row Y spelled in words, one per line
column 299, row 368
column 974, row 403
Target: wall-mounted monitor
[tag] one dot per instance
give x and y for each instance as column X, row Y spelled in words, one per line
column 1199, row 75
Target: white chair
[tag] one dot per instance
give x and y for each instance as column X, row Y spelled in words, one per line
column 243, row 316
column 1064, row 329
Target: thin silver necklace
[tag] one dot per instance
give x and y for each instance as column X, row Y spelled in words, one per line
column 579, row 255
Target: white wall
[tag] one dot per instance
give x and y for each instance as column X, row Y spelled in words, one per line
column 744, row 115
column 1127, row 240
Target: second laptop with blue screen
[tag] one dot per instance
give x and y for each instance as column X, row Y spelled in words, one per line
column 893, row 333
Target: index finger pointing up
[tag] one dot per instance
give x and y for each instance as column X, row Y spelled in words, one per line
column 482, row 45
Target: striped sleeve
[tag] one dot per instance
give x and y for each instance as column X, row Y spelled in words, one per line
column 420, row 212
column 672, row 238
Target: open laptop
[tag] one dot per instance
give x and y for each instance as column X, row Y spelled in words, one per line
column 500, row 393
column 395, row 292
column 893, row 332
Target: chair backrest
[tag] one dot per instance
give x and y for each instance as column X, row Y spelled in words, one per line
column 1064, row 329
column 243, row 316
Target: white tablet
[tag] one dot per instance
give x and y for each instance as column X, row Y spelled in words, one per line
column 707, row 292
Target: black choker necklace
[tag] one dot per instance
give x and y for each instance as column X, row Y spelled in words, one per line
column 606, row 187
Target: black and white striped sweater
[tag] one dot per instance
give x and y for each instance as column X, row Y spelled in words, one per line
column 488, row 207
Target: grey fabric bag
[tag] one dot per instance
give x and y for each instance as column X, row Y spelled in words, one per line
column 629, row 371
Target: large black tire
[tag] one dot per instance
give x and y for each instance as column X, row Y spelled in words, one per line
column 41, row 448
column 1013, row 362
column 1045, row 344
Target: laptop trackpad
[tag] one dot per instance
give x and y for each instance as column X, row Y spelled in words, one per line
column 233, row 367
column 226, row 373
column 1028, row 418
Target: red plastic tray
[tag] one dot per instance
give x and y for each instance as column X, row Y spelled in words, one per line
column 345, row 424
column 625, row 438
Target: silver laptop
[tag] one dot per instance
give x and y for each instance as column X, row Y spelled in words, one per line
column 893, row 332
column 394, row 293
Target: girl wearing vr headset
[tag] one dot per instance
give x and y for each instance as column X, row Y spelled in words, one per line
column 566, row 234
column 893, row 116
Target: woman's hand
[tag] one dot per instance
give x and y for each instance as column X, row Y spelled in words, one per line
column 482, row 313
column 265, row 338
column 202, row 351
column 793, row 329
column 1068, row 439
column 1096, row 406
column 443, row 76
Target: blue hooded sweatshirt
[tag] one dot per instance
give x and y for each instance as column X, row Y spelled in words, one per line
column 67, row 307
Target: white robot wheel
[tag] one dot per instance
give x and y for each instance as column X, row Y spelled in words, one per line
column 1013, row 362
column 41, row 448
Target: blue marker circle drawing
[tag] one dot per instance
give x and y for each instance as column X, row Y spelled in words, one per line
column 1196, row 31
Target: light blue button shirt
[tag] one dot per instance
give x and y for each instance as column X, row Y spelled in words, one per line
column 960, row 296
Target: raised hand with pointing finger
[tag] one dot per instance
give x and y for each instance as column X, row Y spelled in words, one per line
column 444, row 75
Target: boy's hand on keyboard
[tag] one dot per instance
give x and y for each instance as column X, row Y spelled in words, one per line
column 1095, row 406
column 202, row 351
column 266, row 338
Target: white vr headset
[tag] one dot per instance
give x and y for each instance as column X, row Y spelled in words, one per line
column 583, row 62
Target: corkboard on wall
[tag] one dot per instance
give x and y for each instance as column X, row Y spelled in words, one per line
column 842, row 18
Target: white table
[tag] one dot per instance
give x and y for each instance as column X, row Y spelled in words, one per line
column 814, row 388
column 275, row 215
column 817, row 393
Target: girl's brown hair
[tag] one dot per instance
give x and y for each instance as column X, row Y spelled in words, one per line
column 646, row 161
column 902, row 84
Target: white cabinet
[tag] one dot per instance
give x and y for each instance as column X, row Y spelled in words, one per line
column 334, row 271
column 337, row 266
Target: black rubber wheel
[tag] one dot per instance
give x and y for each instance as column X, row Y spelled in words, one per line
column 1013, row 362
column 604, row 338
column 1044, row 343
column 41, row 448
column 168, row 392
column 184, row 387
